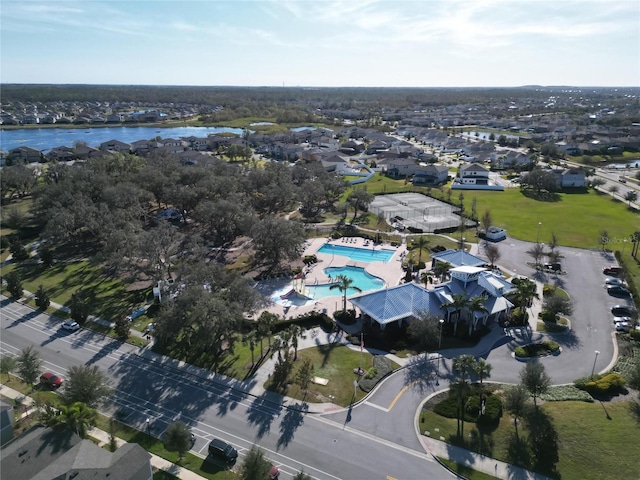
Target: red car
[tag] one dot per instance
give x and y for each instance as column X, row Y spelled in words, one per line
column 50, row 380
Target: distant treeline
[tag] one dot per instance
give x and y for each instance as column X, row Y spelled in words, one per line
column 233, row 97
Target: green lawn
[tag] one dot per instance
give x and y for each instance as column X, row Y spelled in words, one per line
column 107, row 297
column 334, row 362
column 576, row 218
column 465, row 471
column 595, row 440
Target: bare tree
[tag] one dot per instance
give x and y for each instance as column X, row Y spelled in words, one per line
column 492, row 253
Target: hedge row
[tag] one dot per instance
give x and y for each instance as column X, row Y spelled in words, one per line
column 537, row 349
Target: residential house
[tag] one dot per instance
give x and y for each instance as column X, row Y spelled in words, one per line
column 473, row 174
column 196, row 143
column 400, row 167
column 352, row 147
column 171, row 145
column 142, row 147
column 115, row 146
column 60, row 154
column 24, row 155
column 7, row 421
column 335, row 163
column 571, row 177
column 431, row 175
column 44, row 453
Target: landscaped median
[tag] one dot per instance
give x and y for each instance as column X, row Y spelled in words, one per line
column 536, row 350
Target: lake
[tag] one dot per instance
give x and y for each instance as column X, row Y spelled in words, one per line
column 47, row 138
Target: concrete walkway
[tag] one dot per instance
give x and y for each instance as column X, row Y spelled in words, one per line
column 103, row 437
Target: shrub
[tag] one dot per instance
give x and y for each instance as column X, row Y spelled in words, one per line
column 520, row 352
column 492, row 410
column 472, row 407
column 635, row 334
column 601, row 384
column 381, row 367
column 447, row 408
column 537, row 349
column 371, row 373
column 548, row 290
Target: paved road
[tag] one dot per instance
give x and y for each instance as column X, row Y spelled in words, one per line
column 160, row 392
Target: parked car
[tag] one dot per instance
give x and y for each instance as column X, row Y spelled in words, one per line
column 612, row 270
column 623, row 327
column 274, row 472
column 618, row 291
column 149, row 328
column 623, row 311
column 614, row 281
column 51, row 380
column 556, row 267
column 621, row 319
column 70, row 326
column 192, row 439
column 222, row 450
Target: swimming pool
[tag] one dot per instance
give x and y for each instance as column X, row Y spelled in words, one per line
column 357, row 254
column 361, row 279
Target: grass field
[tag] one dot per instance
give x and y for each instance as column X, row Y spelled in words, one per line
column 334, row 362
column 595, row 440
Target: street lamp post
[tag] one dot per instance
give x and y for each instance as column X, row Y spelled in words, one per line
column 594, row 363
column 440, row 339
column 148, row 427
column 538, row 236
column 624, row 245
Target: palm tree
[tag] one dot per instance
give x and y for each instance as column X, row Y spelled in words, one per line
column 295, row 332
column 426, row 277
column 77, row 416
column 526, row 291
column 460, row 389
column 250, row 339
column 463, row 365
column 441, row 270
column 344, row 284
column 482, row 369
column 476, row 304
column 421, row 243
column 459, row 302
column 266, row 321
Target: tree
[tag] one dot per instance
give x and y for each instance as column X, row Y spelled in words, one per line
column 266, row 321
column 492, row 253
column 295, row 332
column 86, row 384
column 420, row 244
column 301, row 476
column 42, row 298
column 276, row 239
column 613, row 189
column 535, row 379
column 631, row 196
column 18, row 250
column 29, row 365
column 598, row 182
column 463, row 365
column 359, row 199
column 177, row 438
column 460, row 389
column 526, row 291
column 516, row 402
column 555, row 304
column 604, row 239
column 537, row 253
column 482, row 369
column 46, row 256
column 425, row 331
column 343, row 284
column 255, row 466
column 250, row 338
column 540, row 180
column 459, row 301
column 441, row 269
column 78, row 416
column 122, row 328
column 79, row 310
column 8, row 364
column 486, row 221
column 14, row 284
column 304, row 376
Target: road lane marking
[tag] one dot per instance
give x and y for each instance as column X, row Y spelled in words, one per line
column 385, row 410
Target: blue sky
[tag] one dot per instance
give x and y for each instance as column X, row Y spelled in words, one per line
column 386, row 43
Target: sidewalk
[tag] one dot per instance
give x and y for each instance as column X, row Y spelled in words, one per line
column 103, row 438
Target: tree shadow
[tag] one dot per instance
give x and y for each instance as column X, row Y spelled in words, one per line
column 261, row 414
column 543, row 441
column 25, row 318
column 568, row 339
column 421, row 373
column 325, row 351
column 293, row 418
column 518, row 451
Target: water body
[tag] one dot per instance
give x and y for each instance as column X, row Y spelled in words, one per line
column 47, row 138
column 631, row 164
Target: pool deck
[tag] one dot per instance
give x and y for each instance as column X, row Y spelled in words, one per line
column 391, row 272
